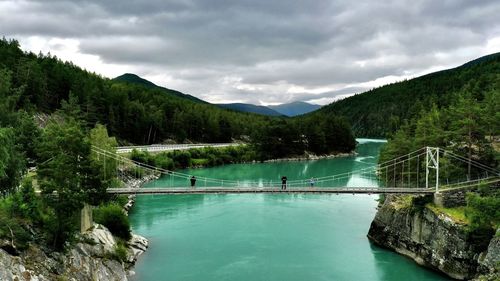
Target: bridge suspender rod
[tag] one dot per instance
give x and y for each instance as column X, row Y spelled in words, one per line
column 409, row 171
column 437, row 170
column 418, row 171
column 427, row 168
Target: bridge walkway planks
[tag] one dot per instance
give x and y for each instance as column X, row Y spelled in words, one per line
column 320, row 190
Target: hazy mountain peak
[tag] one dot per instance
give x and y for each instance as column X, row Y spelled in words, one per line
column 295, row 108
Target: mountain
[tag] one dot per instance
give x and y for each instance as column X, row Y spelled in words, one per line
column 135, row 79
column 245, row 107
column 134, row 110
column 381, row 111
column 295, row 108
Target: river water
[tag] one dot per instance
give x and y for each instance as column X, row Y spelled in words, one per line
column 268, row 236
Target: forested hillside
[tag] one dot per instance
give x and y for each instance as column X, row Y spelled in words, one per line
column 136, row 113
column 133, row 113
column 134, row 79
column 465, row 121
column 381, row 111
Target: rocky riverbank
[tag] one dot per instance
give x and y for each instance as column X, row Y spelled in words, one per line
column 93, row 257
column 97, row 255
column 433, row 240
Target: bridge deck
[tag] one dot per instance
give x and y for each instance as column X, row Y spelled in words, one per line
column 331, row 190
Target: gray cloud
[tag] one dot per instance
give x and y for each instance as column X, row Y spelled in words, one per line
column 264, row 51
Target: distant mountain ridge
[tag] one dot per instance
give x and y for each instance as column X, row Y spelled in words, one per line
column 135, row 79
column 251, row 108
column 295, row 108
column 287, row 109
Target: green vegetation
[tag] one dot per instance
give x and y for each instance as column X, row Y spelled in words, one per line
column 382, row 111
column 483, row 211
column 457, row 110
column 320, row 135
column 402, row 202
column 112, row 216
column 457, row 214
column 463, row 128
column 206, row 157
column 138, row 113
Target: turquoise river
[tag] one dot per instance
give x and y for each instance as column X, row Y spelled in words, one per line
column 255, row 237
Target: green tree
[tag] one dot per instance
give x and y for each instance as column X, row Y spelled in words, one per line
column 66, row 176
column 491, row 105
column 27, row 134
column 104, row 155
column 430, row 129
column 12, row 163
column 467, row 126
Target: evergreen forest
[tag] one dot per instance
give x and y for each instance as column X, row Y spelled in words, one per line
column 381, row 111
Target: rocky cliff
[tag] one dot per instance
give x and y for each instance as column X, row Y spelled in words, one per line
column 92, row 258
column 431, row 239
column 489, row 261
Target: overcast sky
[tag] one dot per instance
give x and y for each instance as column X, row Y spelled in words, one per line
column 261, row 52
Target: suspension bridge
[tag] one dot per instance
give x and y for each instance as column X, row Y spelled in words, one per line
column 425, row 171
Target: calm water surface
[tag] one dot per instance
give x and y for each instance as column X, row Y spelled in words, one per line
column 268, row 236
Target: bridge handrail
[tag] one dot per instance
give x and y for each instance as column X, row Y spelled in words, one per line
column 473, row 162
column 368, row 172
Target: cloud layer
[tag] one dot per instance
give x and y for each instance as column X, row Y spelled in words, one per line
column 257, row 51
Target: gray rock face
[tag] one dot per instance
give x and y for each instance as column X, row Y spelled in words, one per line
column 431, row 240
column 136, row 246
column 13, row 268
column 89, row 260
column 489, row 261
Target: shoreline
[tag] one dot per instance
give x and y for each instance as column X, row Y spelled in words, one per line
column 306, row 157
column 309, row 157
column 138, row 244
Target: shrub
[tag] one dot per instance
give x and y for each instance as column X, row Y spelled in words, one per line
column 164, row 162
column 120, row 251
column 483, row 211
column 12, row 230
column 121, row 200
column 113, row 217
column 182, row 159
column 142, row 156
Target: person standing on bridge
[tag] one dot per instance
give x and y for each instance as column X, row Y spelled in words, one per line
column 311, row 182
column 193, row 181
column 283, row 182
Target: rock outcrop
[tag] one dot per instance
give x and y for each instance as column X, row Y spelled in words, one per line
column 489, row 261
column 93, row 258
column 431, row 239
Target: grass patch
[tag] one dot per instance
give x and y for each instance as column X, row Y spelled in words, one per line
column 402, row 202
column 457, row 214
column 200, row 162
column 119, row 252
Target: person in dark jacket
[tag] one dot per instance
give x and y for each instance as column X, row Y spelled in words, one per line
column 193, row 181
column 283, row 182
